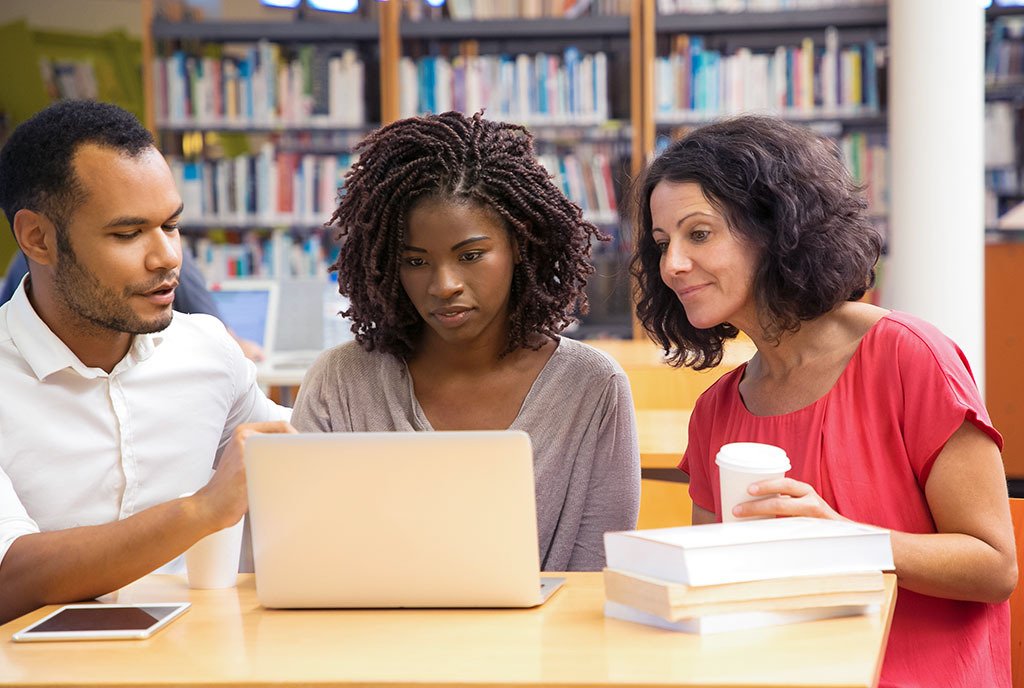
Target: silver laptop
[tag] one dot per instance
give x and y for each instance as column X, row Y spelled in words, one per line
column 397, row 519
column 285, row 317
column 249, row 307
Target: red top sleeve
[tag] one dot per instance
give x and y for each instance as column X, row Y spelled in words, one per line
column 939, row 393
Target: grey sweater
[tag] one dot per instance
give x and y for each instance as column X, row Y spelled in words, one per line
column 579, row 415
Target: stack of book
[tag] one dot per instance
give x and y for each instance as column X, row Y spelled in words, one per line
column 748, row 574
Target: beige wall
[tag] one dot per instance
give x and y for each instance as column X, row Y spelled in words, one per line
column 97, row 16
column 82, row 16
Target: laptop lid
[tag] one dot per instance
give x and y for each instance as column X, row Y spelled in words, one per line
column 249, row 308
column 413, row 519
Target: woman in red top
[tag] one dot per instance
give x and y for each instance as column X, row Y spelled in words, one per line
column 754, row 225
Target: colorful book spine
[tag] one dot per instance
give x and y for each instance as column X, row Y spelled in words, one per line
column 694, row 84
column 260, row 254
column 271, row 188
column 262, row 85
column 585, row 176
column 531, row 89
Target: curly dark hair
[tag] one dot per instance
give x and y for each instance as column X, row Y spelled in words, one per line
column 36, row 169
column 464, row 159
column 783, row 189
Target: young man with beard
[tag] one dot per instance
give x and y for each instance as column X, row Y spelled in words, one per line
column 111, row 405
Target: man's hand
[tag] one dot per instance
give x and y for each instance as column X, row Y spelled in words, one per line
column 224, row 499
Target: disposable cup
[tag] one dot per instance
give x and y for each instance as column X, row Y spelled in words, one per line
column 742, row 463
column 213, row 561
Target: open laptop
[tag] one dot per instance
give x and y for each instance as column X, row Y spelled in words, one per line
column 286, row 318
column 395, row 519
column 249, row 307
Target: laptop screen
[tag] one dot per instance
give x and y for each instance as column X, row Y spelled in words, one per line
column 246, row 311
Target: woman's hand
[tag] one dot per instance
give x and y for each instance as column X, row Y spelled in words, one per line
column 788, row 498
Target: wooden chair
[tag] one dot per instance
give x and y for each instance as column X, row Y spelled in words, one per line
column 664, row 504
column 1017, row 599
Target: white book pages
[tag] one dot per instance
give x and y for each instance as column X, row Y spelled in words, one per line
column 722, row 623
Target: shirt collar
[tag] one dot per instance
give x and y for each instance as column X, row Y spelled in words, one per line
column 46, row 354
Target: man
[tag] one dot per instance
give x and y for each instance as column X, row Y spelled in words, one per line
column 110, row 405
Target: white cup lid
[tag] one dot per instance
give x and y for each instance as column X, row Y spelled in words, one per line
column 753, row 457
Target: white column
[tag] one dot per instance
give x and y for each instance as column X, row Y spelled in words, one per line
column 935, row 268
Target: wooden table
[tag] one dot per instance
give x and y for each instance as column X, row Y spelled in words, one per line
column 227, row 639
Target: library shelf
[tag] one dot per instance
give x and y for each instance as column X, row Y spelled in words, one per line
column 870, row 16
column 275, row 32
column 501, row 29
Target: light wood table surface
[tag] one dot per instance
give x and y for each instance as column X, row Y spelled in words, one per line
column 227, row 639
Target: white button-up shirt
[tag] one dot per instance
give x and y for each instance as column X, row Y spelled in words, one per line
column 79, row 446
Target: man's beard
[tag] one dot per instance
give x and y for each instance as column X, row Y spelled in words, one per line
column 84, row 295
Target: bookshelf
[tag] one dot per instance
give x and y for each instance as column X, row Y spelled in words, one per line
column 822, row 68
column 592, row 149
column 587, row 146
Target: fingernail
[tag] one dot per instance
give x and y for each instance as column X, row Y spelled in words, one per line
column 752, row 489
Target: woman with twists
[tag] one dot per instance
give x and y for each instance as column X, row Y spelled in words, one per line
column 462, row 262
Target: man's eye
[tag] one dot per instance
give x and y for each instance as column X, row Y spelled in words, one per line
column 172, row 228
column 124, row 236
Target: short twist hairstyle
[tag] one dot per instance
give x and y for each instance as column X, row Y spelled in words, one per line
column 462, row 159
column 784, row 190
column 36, row 169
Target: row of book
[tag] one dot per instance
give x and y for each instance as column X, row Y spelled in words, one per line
column 277, row 187
column 585, row 176
column 270, row 188
column 463, row 10
column 867, row 158
column 223, row 255
column 730, row 6
column 1004, row 56
column 693, row 82
column 748, row 574
column 262, row 84
column 571, row 88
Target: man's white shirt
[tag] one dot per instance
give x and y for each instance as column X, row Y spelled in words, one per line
column 82, row 447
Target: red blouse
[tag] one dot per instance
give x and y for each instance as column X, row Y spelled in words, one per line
column 867, row 447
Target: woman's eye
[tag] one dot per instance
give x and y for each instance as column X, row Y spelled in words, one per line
column 700, row 234
column 471, row 256
column 414, row 262
column 662, row 246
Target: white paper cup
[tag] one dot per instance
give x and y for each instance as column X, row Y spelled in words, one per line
column 213, row 561
column 741, row 464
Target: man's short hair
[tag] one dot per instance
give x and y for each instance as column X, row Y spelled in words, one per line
column 36, row 163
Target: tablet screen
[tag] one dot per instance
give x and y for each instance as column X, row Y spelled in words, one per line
column 99, row 618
